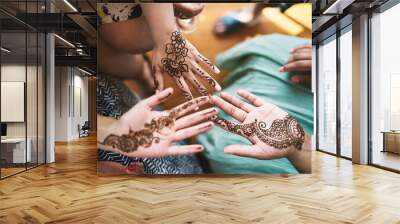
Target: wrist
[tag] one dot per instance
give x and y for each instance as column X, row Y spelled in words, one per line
column 164, row 37
column 114, row 128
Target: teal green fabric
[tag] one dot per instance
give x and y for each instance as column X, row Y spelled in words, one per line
column 253, row 66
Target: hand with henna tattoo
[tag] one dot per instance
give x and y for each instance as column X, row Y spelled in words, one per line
column 177, row 58
column 142, row 132
column 273, row 132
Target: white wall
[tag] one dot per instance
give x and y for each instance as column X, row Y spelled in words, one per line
column 71, row 94
column 33, row 127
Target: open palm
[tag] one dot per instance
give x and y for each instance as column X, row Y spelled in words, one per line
column 273, row 133
column 143, row 132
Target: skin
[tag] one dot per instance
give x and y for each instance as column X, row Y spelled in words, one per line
column 193, row 62
column 152, row 35
column 259, row 110
column 162, row 39
column 186, row 124
column 300, row 62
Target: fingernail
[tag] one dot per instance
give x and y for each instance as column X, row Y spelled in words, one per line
column 282, row 69
column 291, row 50
column 217, row 70
column 200, row 148
column 296, row 79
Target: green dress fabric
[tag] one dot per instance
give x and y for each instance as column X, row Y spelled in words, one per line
column 253, row 66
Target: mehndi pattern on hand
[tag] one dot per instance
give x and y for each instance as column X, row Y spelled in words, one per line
column 281, row 134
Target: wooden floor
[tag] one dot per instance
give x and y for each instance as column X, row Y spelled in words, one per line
column 70, row 191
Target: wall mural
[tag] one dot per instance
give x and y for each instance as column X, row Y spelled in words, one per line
column 168, row 108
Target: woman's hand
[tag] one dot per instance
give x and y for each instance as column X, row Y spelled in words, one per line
column 173, row 55
column 300, row 61
column 273, row 133
column 177, row 58
column 142, row 132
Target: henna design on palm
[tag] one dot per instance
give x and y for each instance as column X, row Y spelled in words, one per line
column 146, row 137
column 143, row 138
column 262, row 123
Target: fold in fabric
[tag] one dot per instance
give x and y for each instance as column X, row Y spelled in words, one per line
column 254, row 66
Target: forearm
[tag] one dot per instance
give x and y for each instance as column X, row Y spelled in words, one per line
column 301, row 159
column 161, row 20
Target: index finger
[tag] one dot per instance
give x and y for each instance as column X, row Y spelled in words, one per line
column 203, row 60
column 184, row 108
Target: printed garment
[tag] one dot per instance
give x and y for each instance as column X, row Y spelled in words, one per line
column 118, row 12
column 114, row 99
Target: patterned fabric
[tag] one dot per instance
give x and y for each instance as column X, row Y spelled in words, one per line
column 118, row 12
column 114, row 99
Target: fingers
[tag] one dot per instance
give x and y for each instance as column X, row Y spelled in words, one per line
column 184, row 108
column 158, row 78
column 302, row 65
column 184, row 149
column 251, row 98
column 204, row 61
column 242, row 150
column 195, row 118
column 298, row 56
column 236, row 102
column 204, row 75
column 228, row 108
column 180, row 81
column 192, row 131
column 302, row 47
column 239, row 129
column 158, row 98
column 199, row 86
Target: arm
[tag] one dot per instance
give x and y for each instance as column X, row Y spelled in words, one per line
column 161, row 20
column 301, row 159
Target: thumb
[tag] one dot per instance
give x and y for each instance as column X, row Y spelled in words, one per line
column 159, row 97
column 242, row 150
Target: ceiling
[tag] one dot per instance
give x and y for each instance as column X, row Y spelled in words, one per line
column 19, row 17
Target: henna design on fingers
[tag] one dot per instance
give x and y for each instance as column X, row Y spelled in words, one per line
column 200, row 87
column 208, row 62
column 245, row 130
column 282, row 133
column 176, row 111
column 175, row 63
column 206, row 77
column 153, row 74
column 186, row 94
